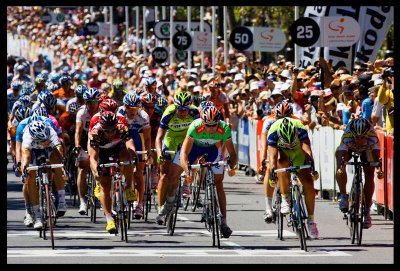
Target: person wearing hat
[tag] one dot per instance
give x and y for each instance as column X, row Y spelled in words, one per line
column 21, row 76
column 347, row 99
column 297, row 87
column 219, row 98
column 386, row 97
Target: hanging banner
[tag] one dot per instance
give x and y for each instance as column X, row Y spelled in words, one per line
column 339, row 31
column 202, row 41
column 243, row 142
column 268, row 39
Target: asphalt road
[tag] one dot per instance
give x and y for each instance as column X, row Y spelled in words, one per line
column 77, row 240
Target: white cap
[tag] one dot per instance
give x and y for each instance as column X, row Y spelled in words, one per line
column 285, row 86
column 234, row 70
column 285, row 73
column 238, row 76
column 159, row 83
column 197, row 89
column 276, row 91
column 254, row 85
column 264, row 95
column 191, row 84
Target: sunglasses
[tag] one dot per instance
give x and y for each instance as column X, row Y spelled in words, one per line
column 183, row 108
column 110, row 130
column 211, row 125
column 92, row 102
column 149, row 106
column 131, row 107
column 359, row 69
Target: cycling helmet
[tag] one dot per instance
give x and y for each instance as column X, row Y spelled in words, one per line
column 79, row 90
column 91, row 94
column 150, row 81
column 118, row 84
column 287, row 131
column 40, row 79
column 139, row 91
column 65, row 78
column 211, row 115
column 108, row 105
column 49, row 101
column 21, row 112
column 40, row 111
column 108, row 119
column 44, row 74
column 205, row 104
column 26, row 89
column 15, row 85
column 54, row 77
column 161, row 103
column 148, row 98
column 73, row 107
column 131, row 99
column 39, row 130
column 283, row 109
column 53, row 87
column 26, row 100
column 183, row 99
column 359, row 126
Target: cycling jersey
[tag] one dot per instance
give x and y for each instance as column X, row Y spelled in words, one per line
column 269, row 120
column 67, row 122
column 197, row 131
column 30, row 143
column 96, row 118
column 98, row 139
column 370, row 142
column 176, row 127
column 21, row 126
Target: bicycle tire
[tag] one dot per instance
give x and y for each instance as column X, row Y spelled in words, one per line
column 129, row 215
column 174, row 214
column 196, row 185
column 42, row 207
column 147, row 195
column 299, row 217
column 353, row 210
column 91, row 197
column 50, row 214
column 276, row 200
column 215, row 209
column 360, row 214
column 122, row 211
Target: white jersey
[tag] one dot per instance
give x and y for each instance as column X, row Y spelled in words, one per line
column 84, row 117
column 138, row 123
column 29, row 143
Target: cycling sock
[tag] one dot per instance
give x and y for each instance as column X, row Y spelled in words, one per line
column 109, row 218
column 28, row 208
column 310, row 217
column 223, row 220
column 36, row 210
column 82, row 200
column 268, row 203
column 170, row 199
column 61, row 196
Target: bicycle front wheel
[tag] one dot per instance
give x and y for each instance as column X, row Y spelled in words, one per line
column 50, row 213
column 147, row 192
column 215, row 216
column 196, row 185
column 276, row 209
column 299, row 217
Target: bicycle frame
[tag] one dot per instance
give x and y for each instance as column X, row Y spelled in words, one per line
column 357, row 205
column 298, row 213
column 46, row 200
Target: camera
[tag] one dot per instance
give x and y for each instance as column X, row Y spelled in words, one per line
column 388, row 72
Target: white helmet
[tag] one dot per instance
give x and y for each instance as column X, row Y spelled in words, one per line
column 39, row 130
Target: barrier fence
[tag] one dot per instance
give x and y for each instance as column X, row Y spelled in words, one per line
column 324, row 140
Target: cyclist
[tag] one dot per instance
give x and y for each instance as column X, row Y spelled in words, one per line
column 109, row 137
column 359, row 136
column 40, row 140
column 173, row 128
column 288, row 141
column 206, row 135
column 118, row 91
column 83, row 116
column 281, row 110
column 139, row 131
column 219, row 98
column 20, row 113
column 79, row 90
column 64, row 93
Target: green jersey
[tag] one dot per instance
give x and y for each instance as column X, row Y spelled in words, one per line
column 197, row 131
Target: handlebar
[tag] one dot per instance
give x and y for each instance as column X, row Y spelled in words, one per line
column 117, row 164
column 292, row 168
column 45, row 166
column 208, row 164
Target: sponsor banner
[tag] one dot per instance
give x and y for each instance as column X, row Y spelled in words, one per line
column 375, row 22
column 202, row 41
column 243, row 142
column 339, row 31
column 253, row 144
column 379, row 194
column 268, row 39
column 104, row 29
column 326, row 159
column 162, row 28
column 389, row 171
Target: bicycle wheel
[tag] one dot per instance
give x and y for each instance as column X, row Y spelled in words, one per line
column 299, row 219
column 276, row 209
column 353, row 211
column 50, row 213
column 215, row 216
column 195, row 195
column 129, row 215
column 42, row 207
column 147, row 192
column 122, row 212
column 171, row 223
column 91, row 197
column 360, row 214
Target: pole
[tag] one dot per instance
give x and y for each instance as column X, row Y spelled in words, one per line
column 126, row 23
column 189, row 19
column 155, row 13
column 111, row 22
column 202, row 29
column 225, row 39
column 164, row 17
column 213, row 40
column 105, row 12
column 171, row 21
column 296, row 16
column 144, row 39
column 137, row 31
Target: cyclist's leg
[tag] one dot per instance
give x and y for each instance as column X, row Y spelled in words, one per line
column 341, row 175
column 127, row 170
column 163, row 183
column 83, row 168
column 369, row 185
column 59, row 184
column 283, row 177
column 268, row 190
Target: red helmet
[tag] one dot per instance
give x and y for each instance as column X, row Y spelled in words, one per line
column 108, row 119
column 108, row 105
column 283, row 109
column 211, row 115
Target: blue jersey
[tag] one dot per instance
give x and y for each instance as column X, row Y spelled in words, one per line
column 21, row 126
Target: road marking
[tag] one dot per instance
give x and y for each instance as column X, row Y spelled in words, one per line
column 170, row 252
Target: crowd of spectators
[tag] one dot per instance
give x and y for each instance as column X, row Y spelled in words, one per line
column 250, row 87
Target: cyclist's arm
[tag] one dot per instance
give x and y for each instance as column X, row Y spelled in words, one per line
column 78, row 133
column 59, row 152
column 26, row 158
column 18, row 151
column 272, row 156
column 160, row 136
column 306, row 147
column 232, row 153
column 131, row 147
column 264, row 147
column 147, row 137
column 93, row 157
column 185, row 150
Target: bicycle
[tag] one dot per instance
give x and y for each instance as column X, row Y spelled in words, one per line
column 149, row 193
column 119, row 201
column 357, row 205
column 211, row 215
column 276, row 210
column 46, row 199
column 298, row 211
column 72, row 171
column 170, row 219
